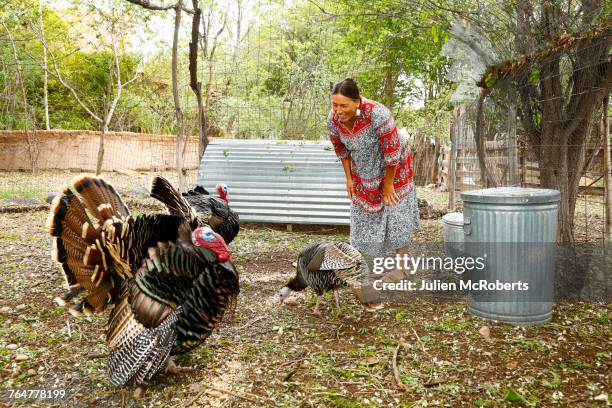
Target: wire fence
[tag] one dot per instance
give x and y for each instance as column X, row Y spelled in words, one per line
column 525, row 128
column 534, row 129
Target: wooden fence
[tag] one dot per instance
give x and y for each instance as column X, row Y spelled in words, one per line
column 467, row 171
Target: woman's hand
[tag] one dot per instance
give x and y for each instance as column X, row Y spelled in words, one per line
column 389, row 196
column 349, row 188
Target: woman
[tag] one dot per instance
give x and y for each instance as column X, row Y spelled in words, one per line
column 377, row 165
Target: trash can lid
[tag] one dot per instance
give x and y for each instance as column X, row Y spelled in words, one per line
column 511, row 195
column 455, row 218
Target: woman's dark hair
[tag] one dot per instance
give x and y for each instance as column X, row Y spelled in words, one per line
column 348, row 88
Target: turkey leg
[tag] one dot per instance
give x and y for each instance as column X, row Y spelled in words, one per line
column 336, row 298
column 316, row 308
column 172, row 368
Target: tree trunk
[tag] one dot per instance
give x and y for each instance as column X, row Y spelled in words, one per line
column 45, row 73
column 452, row 160
column 607, row 170
column 196, row 85
column 389, row 89
column 513, row 168
column 485, row 176
column 103, row 129
column 434, row 161
column 177, row 103
column 209, row 53
column 27, row 117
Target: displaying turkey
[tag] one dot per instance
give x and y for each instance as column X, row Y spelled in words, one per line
column 325, row 267
column 199, row 207
column 167, row 286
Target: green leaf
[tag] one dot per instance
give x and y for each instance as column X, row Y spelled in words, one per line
column 534, row 76
column 556, row 381
column 513, row 396
column 490, row 80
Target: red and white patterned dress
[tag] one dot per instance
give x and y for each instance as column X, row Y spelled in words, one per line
column 372, row 145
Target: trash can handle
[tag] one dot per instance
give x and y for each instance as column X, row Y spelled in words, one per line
column 467, row 225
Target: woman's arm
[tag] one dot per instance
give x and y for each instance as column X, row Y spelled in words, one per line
column 346, row 165
column 391, row 148
column 388, row 191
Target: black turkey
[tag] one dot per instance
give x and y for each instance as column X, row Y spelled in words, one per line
column 324, row 267
column 167, row 286
column 199, row 207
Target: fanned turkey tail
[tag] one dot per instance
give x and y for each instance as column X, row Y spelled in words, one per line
column 198, row 207
column 77, row 242
column 162, row 190
column 99, row 244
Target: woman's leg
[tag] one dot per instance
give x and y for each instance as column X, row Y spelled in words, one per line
column 366, row 294
column 402, row 220
column 398, row 273
column 367, row 235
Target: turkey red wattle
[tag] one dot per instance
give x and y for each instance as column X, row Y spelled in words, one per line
column 205, row 237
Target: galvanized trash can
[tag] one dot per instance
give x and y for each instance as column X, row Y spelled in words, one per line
column 514, row 231
column 453, row 234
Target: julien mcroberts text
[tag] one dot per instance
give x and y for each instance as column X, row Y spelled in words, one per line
column 438, row 285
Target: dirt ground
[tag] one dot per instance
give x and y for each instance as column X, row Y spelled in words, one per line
column 283, row 356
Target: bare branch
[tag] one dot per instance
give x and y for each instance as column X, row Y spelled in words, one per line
column 333, row 15
column 132, row 79
column 120, row 85
column 150, row 6
column 57, row 74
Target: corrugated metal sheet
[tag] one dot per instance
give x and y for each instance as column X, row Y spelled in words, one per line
column 293, row 182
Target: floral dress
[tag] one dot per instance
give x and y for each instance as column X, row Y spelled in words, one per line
column 372, row 145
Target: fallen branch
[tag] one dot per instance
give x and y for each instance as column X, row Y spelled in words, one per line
column 419, row 340
column 433, row 383
column 252, row 322
column 396, row 374
column 290, row 374
column 297, row 365
column 37, row 284
column 21, row 209
column 292, row 362
column 430, row 381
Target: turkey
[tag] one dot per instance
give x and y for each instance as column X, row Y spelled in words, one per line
column 325, row 267
column 199, row 207
column 167, row 286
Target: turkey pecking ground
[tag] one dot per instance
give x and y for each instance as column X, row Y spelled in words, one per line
column 285, row 357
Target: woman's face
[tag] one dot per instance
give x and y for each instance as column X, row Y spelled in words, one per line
column 344, row 107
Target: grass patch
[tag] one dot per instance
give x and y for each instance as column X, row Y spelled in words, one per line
column 11, row 192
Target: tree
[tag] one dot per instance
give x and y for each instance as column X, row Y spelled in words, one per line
column 391, row 47
column 28, row 121
column 41, row 24
column 114, row 86
column 178, row 8
column 558, row 110
column 555, row 54
column 210, row 41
